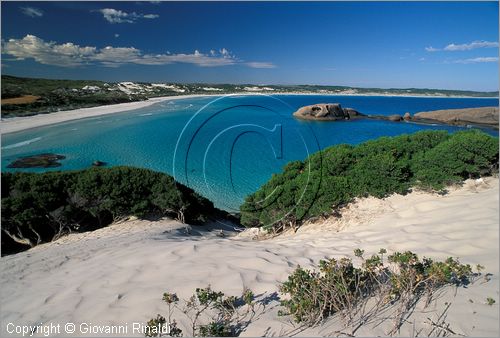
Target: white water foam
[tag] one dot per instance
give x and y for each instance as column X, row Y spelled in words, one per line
column 23, row 143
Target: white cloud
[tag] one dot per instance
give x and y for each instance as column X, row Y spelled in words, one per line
column 463, row 47
column 473, row 45
column 260, row 65
column 483, row 59
column 117, row 35
column 32, row 12
column 72, row 55
column 117, row 16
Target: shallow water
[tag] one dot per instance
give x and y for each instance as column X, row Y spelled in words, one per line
column 224, row 148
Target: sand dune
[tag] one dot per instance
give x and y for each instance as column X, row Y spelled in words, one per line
column 117, row 274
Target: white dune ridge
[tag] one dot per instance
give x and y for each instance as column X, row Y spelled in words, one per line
column 117, row 274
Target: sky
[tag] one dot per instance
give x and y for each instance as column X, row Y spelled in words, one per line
column 444, row 45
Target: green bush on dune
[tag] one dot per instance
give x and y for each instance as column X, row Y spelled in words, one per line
column 334, row 176
column 38, row 208
column 367, row 293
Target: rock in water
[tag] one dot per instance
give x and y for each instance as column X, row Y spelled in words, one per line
column 98, row 163
column 407, row 116
column 394, row 118
column 326, row 112
column 46, row 160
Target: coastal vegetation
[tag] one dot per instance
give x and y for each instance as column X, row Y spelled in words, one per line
column 210, row 314
column 29, row 96
column 360, row 294
column 38, row 208
column 327, row 180
column 364, row 290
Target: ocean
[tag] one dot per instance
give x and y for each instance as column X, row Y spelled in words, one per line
column 223, row 147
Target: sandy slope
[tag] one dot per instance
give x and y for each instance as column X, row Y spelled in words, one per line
column 118, row 274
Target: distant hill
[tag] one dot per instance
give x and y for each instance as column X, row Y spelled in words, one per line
column 29, row 96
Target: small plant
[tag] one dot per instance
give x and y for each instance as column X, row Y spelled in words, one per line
column 490, row 301
column 155, row 326
column 341, row 288
column 220, row 313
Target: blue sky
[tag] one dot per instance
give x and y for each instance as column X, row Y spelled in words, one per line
column 447, row 45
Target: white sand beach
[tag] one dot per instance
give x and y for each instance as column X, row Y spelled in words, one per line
column 118, row 274
column 14, row 124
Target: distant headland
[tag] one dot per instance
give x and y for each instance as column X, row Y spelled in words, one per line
column 483, row 116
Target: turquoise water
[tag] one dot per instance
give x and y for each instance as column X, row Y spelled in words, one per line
column 224, row 148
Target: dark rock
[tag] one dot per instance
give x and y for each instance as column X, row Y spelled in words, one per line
column 46, row 160
column 353, row 112
column 98, row 163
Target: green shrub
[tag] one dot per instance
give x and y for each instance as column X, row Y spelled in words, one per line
column 465, row 155
column 339, row 287
column 219, row 313
column 38, row 208
column 336, row 175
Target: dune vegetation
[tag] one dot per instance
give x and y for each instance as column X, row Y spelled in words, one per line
column 38, row 208
column 333, row 177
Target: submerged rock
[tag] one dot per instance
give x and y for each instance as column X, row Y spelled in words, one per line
column 46, row 160
column 98, row 163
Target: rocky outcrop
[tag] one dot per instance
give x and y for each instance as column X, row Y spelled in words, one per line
column 484, row 116
column 394, row 118
column 326, row 112
column 46, row 160
column 475, row 116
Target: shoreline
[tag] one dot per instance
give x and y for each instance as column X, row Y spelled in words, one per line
column 21, row 123
column 17, row 124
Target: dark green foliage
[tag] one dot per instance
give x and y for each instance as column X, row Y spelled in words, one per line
column 465, row 155
column 339, row 286
column 333, row 177
column 38, row 208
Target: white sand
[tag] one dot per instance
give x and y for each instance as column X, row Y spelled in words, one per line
column 14, row 124
column 117, row 275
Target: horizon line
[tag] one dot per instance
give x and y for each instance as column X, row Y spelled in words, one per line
column 263, row 84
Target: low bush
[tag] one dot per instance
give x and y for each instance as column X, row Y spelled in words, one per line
column 329, row 179
column 339, row 287
column 210, row 314
column 38, row 208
